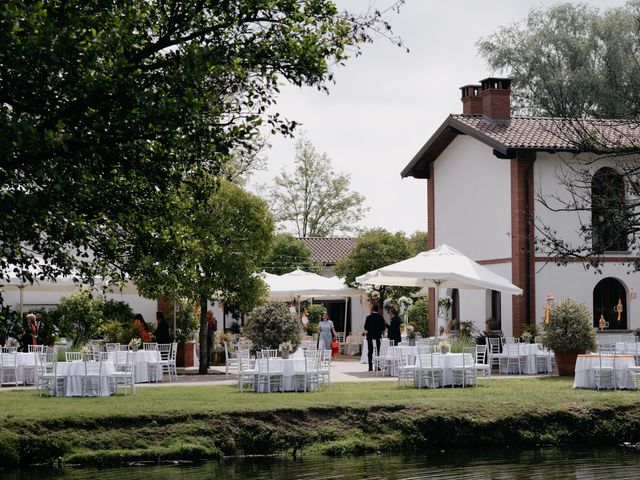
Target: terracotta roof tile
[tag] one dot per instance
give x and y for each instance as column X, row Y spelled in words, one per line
column 328, row 250
column 549, row 133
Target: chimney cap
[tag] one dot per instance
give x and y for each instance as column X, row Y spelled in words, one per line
column 501, row 83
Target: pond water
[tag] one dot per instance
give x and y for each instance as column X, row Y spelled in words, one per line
column 547, row 464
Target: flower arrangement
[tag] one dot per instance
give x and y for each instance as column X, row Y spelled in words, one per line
column 86, row 350
column 286, row 346
column 445, row 302
column 403, row 304
column 411, row 331
column 135, row 343
column 444, row 346
column 12, row 342
column 526, row 337
column 219, row 340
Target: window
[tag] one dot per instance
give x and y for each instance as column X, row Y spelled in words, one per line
column 608, row 216
column 607, row 295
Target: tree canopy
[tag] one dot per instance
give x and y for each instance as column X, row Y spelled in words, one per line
column 571, row 60
column 287, row 254
column 314, row 200
column 106, row 110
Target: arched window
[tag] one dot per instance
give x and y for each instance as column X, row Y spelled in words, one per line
column 608, row 214
column 607, row 295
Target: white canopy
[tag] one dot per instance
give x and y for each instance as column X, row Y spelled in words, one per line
column 306, row 284
column 443, row 266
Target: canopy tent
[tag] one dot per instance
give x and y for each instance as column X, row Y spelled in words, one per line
column 300, row 284
column 443, row 266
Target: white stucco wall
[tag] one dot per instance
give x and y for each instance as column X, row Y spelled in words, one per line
column 473, row 200
column 473, row 214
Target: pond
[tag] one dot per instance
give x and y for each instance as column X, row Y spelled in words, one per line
column 546, row 463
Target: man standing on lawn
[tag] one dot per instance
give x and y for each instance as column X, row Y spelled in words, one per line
column 374, row 326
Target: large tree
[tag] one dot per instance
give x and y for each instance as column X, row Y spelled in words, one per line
column 313, row 199
column 582, row 66
column 571, row 60
column 107, row 108
column 208, row 249
column 374, row 249
column 287, row 254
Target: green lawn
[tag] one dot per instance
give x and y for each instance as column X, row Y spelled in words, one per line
column 503, row 397
column 208, row 422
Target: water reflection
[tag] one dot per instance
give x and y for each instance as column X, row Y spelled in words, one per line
column 547, row 464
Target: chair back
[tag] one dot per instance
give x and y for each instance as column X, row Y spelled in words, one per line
column 72, row 356
column 150, row 346
column 174, row 351
column 112, row 347
column 480, row 354
column 37, row 348
column 165, row 350
column 9, row 349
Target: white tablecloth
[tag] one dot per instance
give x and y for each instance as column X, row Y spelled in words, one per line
column 352, row 344
column 393, row 355
column 74, row 371
column 288, row 367
column 586, row 363
column 628, row 348
column 142, row 359
column 448, row 361
column 384, row 344
column 530, row 350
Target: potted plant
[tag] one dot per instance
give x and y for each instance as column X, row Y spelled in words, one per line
column 186, row 328
column 219, row 341
column 568, row 333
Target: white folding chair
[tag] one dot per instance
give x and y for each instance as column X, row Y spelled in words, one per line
column 465, row 374
column 481, row 364
column 428, row 373
column 150, row 346
column 72, row 356
column 124, row 376
column 324, row 369
column 91, row 380
column 246, row 372
column 406, row 372
column 8, row 368
column 308, row 378
column 604, row 372
column 268, row 377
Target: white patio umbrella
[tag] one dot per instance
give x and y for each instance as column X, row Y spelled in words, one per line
column 300, row 284
column 443, row 266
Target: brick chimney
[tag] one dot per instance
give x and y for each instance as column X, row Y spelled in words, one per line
column 496, row 98
column 471, row 100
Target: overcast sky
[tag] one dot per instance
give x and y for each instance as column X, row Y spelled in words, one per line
column 387, row 103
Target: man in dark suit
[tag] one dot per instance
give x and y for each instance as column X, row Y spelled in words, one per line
column 374, row 325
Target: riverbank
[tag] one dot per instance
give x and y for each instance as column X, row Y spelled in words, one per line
column 204, row 422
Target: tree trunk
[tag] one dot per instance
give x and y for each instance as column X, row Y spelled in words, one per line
column 202, row 366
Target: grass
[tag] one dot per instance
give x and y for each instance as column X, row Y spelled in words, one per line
column 503, row 397
column 196, row 422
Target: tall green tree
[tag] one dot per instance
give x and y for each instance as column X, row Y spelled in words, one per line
column 287, row 254
column 107, row 107
column 209, row 249
column 418, row 242
column 313, row 199
column 374, row 249
column 571, row 60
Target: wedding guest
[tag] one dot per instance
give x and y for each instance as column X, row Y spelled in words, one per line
column 374, row 326
column 327, row 332
column 142, row 328
column 162, row 329
column 28, row 336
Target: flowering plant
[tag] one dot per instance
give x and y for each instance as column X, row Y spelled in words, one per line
column 388, row 303
column 12, row 342
column 288, row 346
column 444, row 345
column 135, row 342
column 86, row 350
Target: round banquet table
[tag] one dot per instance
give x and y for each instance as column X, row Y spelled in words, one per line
column 142, row 359
column 448, row 361
column 288, row 367
column 384, row 345
column 586, row 363
column 73, row 373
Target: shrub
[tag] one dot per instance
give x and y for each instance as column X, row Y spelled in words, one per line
column 272, row 324
column 569, row 327
column 314, row 315
column 419, row 316
column 81, row 316
column 187, row 321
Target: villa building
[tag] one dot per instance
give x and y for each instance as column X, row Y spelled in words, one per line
column 486, row 172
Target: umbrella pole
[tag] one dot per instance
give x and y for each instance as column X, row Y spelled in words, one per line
column 21, row 287
column 346, row 305
column 437, row 333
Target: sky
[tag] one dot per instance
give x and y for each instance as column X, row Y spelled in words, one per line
column 386, row 103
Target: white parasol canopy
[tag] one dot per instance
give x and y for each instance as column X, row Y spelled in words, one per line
column 443, row 266
column 306, row 284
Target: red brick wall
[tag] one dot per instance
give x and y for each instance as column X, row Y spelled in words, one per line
column 522, row 236
column 496, row 104
column 431, row 243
